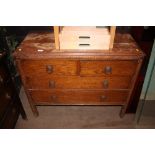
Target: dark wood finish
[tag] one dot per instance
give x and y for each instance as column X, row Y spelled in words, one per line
column 124, row 108
column 10, row 104
column 53, row 67
column 124, row 48
column 77, row 82
column 33, row 107
column 78, row 77
column 100, row 68
column 71, row 97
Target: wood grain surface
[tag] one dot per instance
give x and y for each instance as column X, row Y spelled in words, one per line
column 71, row 97
column 77, row 82
column 78, row 77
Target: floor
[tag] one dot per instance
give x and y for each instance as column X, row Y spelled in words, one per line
column 147, row 119
column 75, row 117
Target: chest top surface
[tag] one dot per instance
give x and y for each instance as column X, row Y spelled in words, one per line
column 40, row 45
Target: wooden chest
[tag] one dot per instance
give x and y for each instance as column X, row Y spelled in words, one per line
column 78, row 77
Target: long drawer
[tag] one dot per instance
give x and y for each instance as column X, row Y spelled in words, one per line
column 93, row 97
column 77, row 82
column 44, row 67
column 108, row 68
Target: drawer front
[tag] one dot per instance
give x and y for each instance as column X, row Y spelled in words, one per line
column 76, row 82
column 79, row 97
column 85, row 38
column 108, row 68
column 49, row 67
column 84, row 41
column 84, row 45
column 77, row 30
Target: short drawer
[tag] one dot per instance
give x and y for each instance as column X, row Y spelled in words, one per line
column 48, row 67
column 85, row 38
column 108, row 68
column 85, row 42
column 84, row 45
column 75, row 97
column 76, row 82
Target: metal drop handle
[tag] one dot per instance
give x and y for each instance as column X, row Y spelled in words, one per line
column 49, row 69
column 105, row 83
column 107, row 70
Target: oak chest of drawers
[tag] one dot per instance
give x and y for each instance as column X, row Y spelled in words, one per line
column 78, row 77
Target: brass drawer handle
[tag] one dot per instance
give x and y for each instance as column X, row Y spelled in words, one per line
column 105, row 83
column 49, row 69
column 51, row 84
column 103, row 98
column 107, row 70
